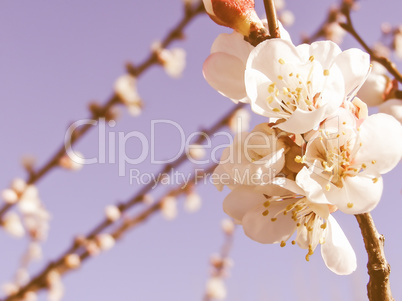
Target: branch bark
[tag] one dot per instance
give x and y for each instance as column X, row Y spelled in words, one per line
column 272, row 19
column 103, row 111
column 378, row 287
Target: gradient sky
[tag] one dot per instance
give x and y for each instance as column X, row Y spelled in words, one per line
column 56, row 56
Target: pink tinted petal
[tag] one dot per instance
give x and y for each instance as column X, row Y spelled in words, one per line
column 381, row 138
column 337, row 252
column 233, row 44
column 262, row 229
column 225, row 73
column 355, row 67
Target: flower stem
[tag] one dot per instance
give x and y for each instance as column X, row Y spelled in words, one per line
column 387, row 63
column 272, row 20
column 378, row 287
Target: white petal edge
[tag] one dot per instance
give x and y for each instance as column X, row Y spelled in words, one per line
column 337, row 252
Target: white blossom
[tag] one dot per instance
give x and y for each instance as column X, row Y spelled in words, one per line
column 254, row 158
column 240, row 121
column 169, row 208
column 272, row 217
column 126, row 88
column 12, row 225
column 302, row 85
column 349, row 156
column 224, row 68
column 72, row 261
column 173, row 61
column 287, row 18
column 373, row 89
column 216, row 288
column 9, row 196
column 72, row 161
column 112, row 213
column 192, row 202
column 392, row 107
column 105, row 241
column 228, row 226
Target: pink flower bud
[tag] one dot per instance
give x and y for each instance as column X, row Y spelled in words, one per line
column 237, row 14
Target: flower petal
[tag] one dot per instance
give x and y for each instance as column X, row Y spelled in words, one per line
column 233, row 44
column 324, row 51
column 381, row 138
column 303, row 121
column 225, row 73
column 359, row 194
column 265, row 57
column 355, row 67
column 313, row 190
column 256, row 87
column 241, row 200
column 262, row 229
column 337, row 252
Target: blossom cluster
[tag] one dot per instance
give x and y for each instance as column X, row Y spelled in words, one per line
column 322, row 150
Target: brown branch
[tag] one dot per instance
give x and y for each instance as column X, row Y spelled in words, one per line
column 378, row 287
column 219, row 267
column 272, row 19
column 40, row 281
column 103, row 111
column 387, row 63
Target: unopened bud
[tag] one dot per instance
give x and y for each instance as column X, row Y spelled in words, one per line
column 237, row 14
column 73, row 162
column 9, row 196
column 72, row 261
column 112, row 213
column 169, row 207
column 105, row 241
column 12, row 224
column 192, row 202
column 18, row 185
column 228, row 226
column 196, row 152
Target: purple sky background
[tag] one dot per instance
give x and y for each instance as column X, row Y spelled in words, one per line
column 56, row 56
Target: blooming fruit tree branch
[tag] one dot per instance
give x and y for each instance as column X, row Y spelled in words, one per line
column 318, row 151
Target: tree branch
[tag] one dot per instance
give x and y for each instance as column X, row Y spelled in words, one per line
column 378, row 287
column 39, row 281
column 103, row 111
column 388, row 64
column 272, row 19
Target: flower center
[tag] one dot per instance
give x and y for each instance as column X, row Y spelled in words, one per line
column 296, row 90
column 307, row 221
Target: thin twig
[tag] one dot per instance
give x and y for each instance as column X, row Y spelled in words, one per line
column 387, row 63
column 174, row 34
column 272, row 19
column 378, row 287
column 219, row 268
column 40, row 281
